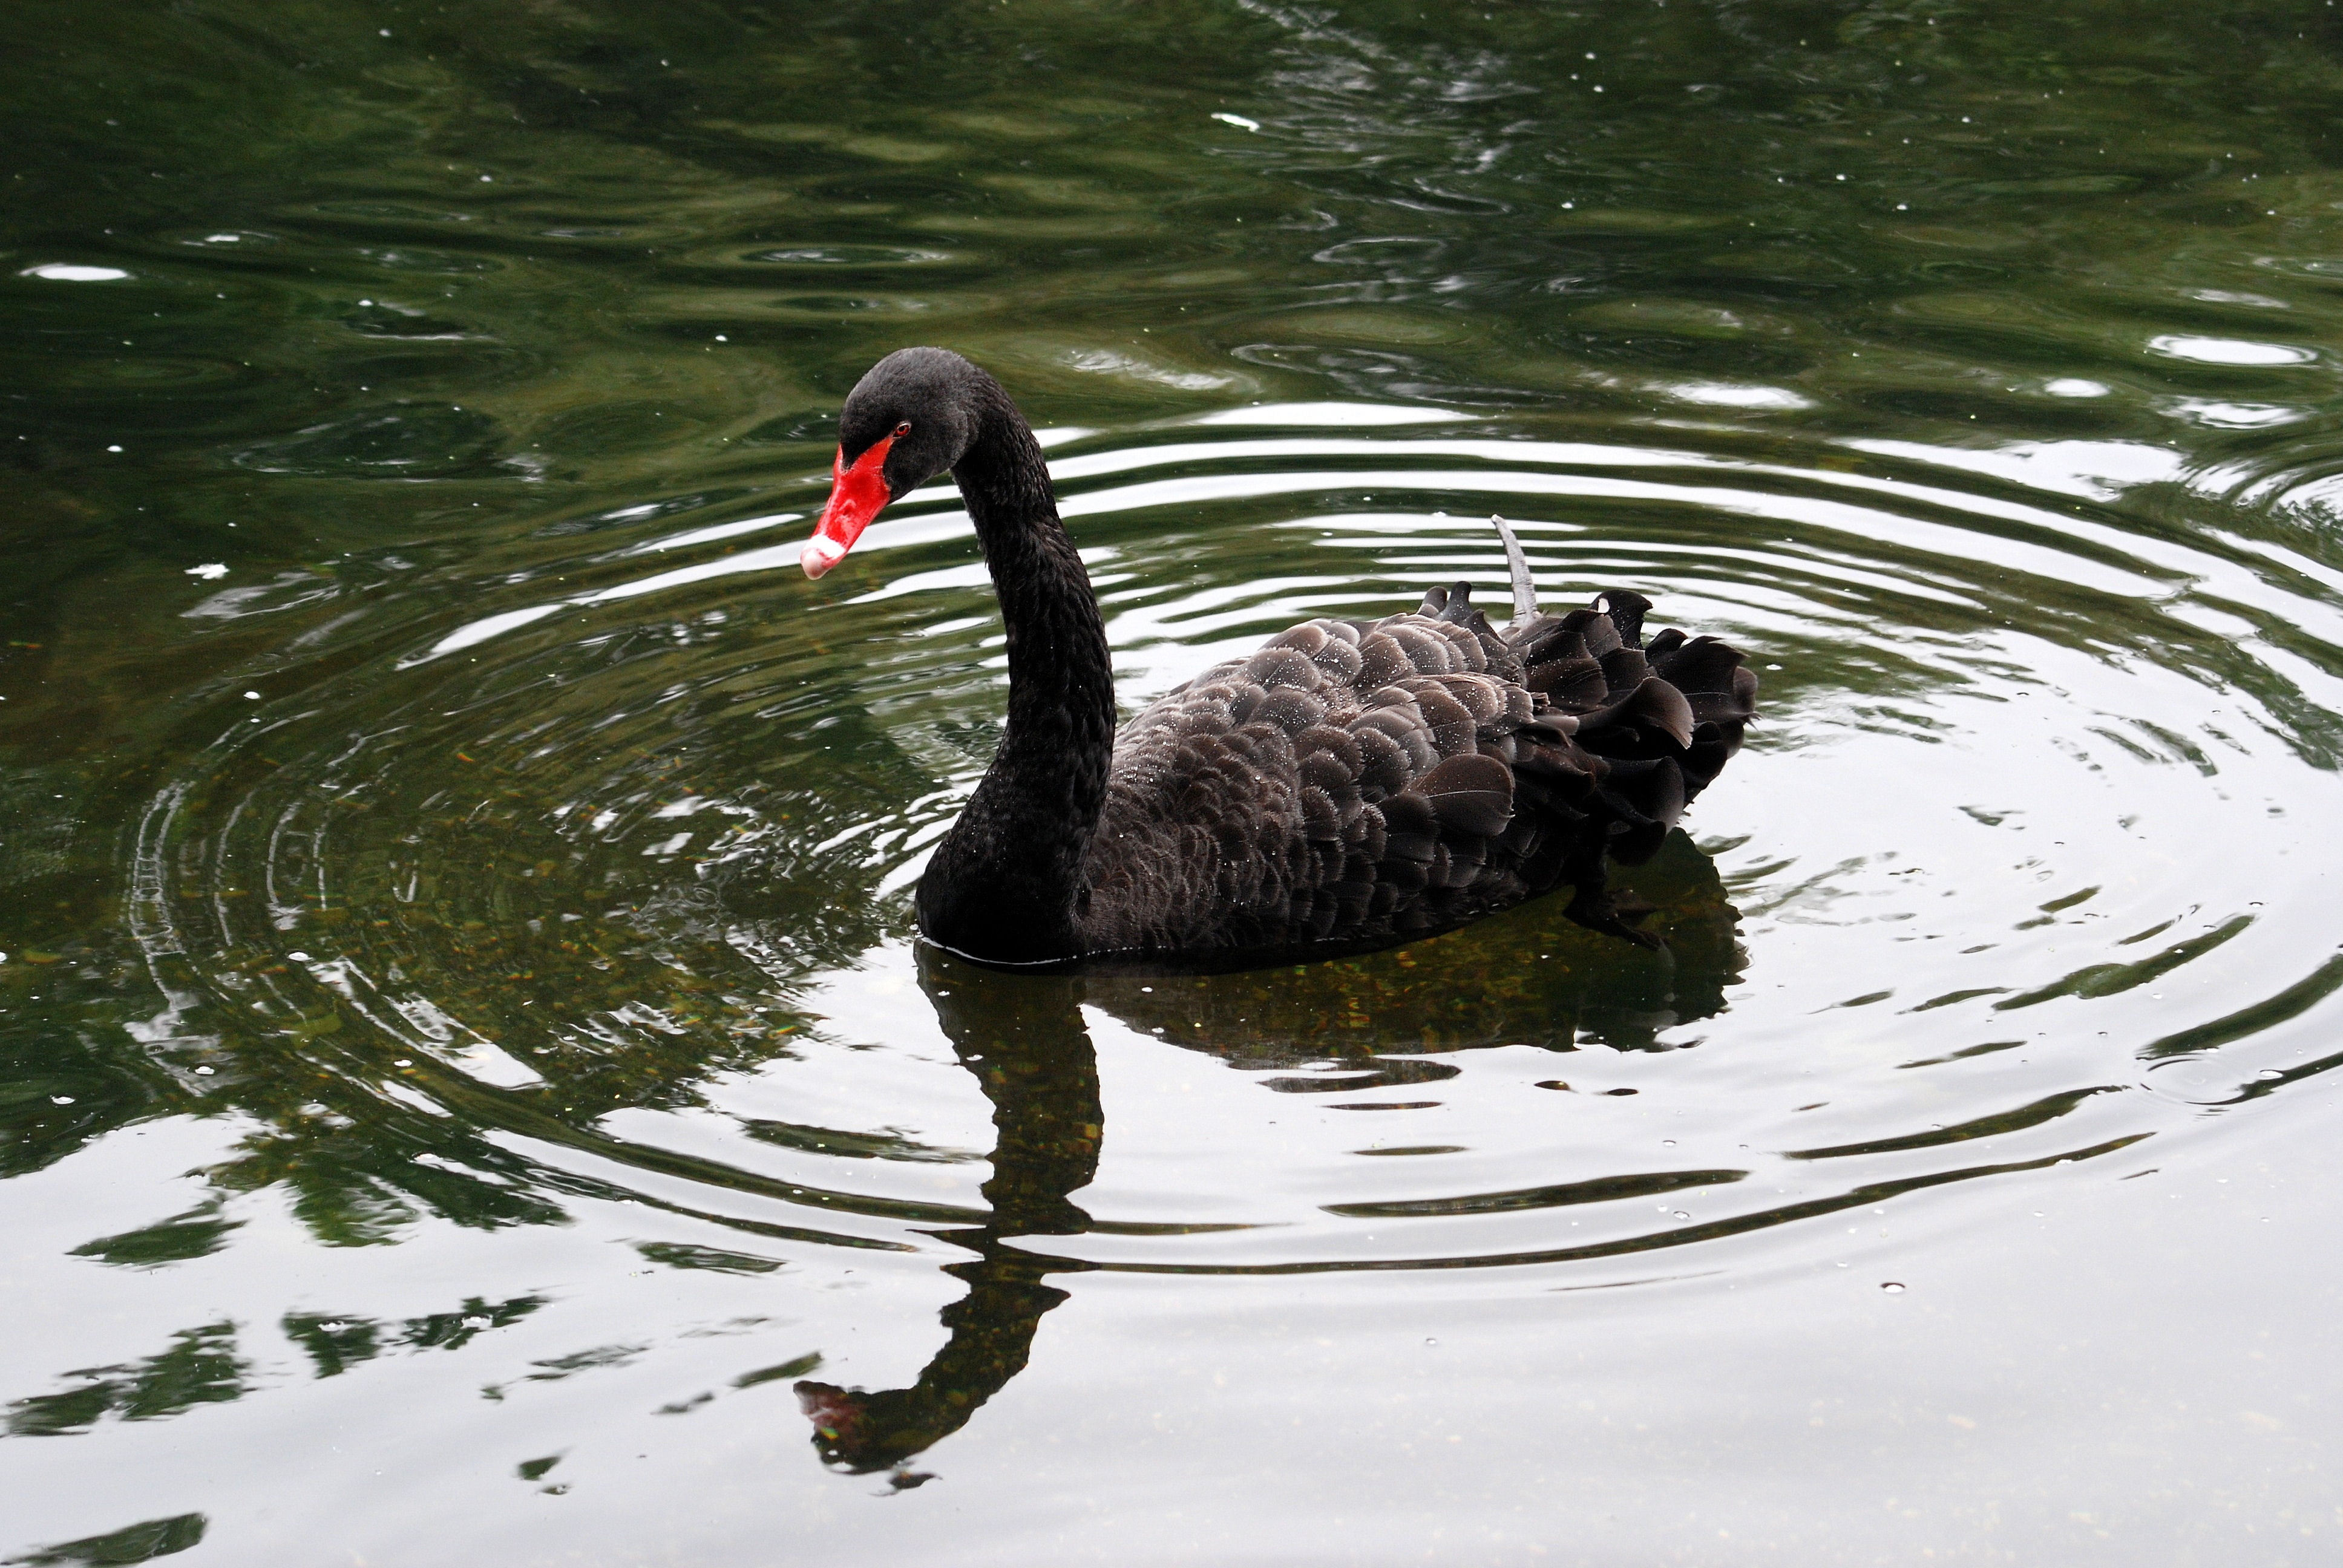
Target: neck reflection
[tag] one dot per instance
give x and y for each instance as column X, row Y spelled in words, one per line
column 1022, row 1037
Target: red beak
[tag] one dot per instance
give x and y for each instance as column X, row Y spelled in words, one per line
column 856, row 494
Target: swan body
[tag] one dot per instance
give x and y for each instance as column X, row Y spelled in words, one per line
column 1350, row 785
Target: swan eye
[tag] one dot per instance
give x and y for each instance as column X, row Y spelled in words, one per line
column 902, row 429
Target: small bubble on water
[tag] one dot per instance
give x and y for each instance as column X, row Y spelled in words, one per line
column 333, row 1327
column 252, row 697
column 1682, row 1214
column 1667, row 1143
column 1430, row 1341
column 1893, row 1287
column 60, row 1100
column 404, row 1062
column 203, row 1073
column 477, row 1323
column 299, row 958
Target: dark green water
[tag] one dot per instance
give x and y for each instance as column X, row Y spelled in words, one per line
column 464, row 1067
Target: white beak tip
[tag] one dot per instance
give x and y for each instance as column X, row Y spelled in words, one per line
column 819, row 554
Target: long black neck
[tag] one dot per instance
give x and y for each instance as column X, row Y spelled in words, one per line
column 1006, row 883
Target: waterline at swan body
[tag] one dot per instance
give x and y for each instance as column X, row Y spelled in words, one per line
column 1350, row 785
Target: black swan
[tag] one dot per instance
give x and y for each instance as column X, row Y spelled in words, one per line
column 1351, row 785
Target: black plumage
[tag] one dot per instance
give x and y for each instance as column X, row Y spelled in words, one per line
column 1348, row 786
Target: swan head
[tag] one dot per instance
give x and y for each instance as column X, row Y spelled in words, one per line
column 910, row 417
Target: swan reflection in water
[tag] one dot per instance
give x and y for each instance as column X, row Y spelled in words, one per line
column 1525, row 977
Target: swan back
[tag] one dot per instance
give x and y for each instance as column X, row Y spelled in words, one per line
column 1356, row 784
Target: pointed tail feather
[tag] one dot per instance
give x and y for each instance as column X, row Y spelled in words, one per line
column 1518, row 565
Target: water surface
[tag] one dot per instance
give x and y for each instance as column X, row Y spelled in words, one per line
column 469, row 1085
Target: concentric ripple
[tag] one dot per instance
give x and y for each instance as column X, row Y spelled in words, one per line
column 599, row 883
